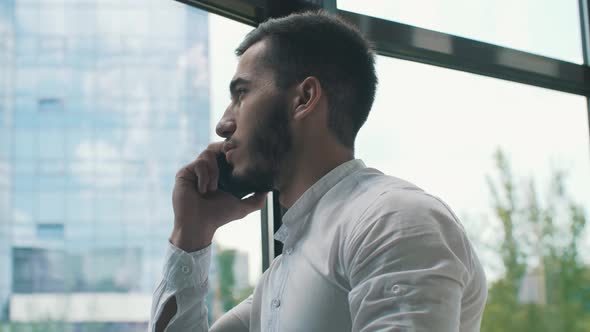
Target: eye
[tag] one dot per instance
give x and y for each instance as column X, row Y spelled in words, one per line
column 237, row 94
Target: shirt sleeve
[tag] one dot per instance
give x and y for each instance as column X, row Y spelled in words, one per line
column 185, row 277
column 405, row 273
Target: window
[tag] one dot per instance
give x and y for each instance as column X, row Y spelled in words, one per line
column 100, row 97
column 550, row 28
column 38, row 270
column 50, row 105
column 50, row 231
column 239, row 251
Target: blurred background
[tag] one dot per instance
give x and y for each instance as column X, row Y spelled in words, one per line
column 102, row 101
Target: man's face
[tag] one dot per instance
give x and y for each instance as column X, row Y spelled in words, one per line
column 256, row 124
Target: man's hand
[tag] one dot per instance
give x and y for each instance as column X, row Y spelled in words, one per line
column 200, row 208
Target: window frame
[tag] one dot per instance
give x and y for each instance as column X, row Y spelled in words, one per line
column 393, row 39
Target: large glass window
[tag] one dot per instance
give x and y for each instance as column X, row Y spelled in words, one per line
column 240, row 241
column 512, row 162
column 550, row 28
column 93, row 95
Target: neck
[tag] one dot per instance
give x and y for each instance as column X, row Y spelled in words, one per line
column 306, row 169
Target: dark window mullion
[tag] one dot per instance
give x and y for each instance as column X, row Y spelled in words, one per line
column 436, row 48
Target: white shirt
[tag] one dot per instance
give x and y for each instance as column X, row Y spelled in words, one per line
column 363, row 251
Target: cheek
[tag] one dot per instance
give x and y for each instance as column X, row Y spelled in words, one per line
column 242, row 123
column 248, row 121
column 244, row 132
column 256, row 116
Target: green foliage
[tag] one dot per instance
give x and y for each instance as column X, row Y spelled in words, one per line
column 540, row 237
column 227, row 281
column 227, row 292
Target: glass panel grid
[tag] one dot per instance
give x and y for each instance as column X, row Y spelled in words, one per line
column 106, row 105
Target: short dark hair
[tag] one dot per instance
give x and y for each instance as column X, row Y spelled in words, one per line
column 324, row 46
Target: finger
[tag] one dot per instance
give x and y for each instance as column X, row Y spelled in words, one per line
column 190, row 168
column 202, row 171
column 213, row 172
column 186, row 174
column 214, row 176
column 213, row 149
column 206, row 166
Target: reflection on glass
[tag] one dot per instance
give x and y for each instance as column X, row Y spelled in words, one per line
column 101, row 102
column 512, row 162
column 549, row 28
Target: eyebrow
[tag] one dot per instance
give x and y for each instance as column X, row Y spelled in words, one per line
column 236, row 82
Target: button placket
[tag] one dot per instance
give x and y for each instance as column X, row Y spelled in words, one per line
column 276, row 303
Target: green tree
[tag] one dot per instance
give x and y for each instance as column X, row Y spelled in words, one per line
column 227, row 292
column 227, row 280
column 542, row 238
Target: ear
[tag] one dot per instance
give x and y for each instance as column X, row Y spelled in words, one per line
column 308, row 94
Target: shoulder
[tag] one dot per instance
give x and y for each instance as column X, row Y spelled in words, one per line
column 380, row 197
column 396, row 210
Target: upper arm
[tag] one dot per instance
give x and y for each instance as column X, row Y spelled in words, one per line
column 404, row 273
column 235, row 320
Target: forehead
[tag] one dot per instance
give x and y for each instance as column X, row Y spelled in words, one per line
column 252, row 65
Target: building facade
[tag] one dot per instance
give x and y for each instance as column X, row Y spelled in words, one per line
column 100, row 103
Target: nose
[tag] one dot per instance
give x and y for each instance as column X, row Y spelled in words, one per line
column 226, row 126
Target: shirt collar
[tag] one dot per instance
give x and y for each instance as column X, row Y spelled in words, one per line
column 293, row 218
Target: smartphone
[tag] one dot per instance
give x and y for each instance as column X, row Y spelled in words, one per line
column 226, row 180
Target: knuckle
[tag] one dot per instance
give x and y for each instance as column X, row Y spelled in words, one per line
column 181, row 172
column 203, row 155
column 207, row 154
column 209, row 162
column 201, row 163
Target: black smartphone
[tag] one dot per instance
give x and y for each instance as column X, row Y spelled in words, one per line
column 226, row 181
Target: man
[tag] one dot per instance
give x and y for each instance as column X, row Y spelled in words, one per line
column 363, row 251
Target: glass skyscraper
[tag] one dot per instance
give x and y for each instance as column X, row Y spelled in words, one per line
column 101, row 102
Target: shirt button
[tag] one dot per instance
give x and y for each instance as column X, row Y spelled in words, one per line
column 396, row 289
column 276, row 303
column 289, row 251
column 185, row 269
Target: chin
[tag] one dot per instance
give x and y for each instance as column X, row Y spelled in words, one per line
column 239, row 168
column 253, row 177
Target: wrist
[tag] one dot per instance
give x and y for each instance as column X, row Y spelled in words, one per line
column 191, row 241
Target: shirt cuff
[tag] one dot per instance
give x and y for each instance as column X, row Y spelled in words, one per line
column 183, row 269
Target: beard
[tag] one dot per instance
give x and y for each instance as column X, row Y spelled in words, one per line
column 268, row 145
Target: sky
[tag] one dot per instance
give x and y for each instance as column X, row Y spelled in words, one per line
column 438, row 127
